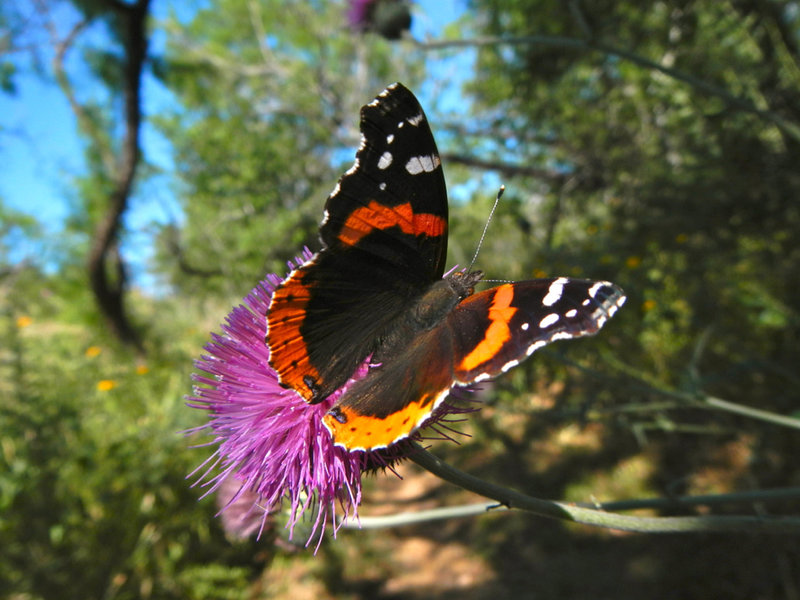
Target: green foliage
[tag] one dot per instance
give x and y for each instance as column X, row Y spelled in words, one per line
column 699, row 196
column 266, row 124
column 93, row 470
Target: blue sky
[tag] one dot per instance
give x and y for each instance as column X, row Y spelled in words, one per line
column 41, row 151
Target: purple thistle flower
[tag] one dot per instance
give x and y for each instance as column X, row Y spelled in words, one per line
column 239, row 510
column 270, row 440
column 272, row 445
column 358, row 14
column 388, row 18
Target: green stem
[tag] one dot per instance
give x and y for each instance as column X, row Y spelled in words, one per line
column 688, row 399
column 509, row 498
column 753, row 413
column 471, row 510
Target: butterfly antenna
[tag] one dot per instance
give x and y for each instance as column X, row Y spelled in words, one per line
column 486, row 227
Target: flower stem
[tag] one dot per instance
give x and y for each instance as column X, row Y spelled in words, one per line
column 598, row 517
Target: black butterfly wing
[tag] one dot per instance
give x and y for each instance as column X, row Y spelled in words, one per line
column 392, row 204
column 385, row 240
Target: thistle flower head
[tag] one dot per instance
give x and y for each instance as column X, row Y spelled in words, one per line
column 270, row 441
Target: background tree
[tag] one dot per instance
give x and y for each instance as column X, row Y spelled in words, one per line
column 113, row 150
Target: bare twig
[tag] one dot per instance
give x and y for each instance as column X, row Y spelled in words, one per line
column 597, row 517
column 743, row 104
column 481, row 508
column 507, row 169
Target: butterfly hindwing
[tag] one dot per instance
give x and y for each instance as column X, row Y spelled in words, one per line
column 499, row 327
column 484, row 335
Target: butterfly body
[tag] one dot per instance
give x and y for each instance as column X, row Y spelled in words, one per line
column 376, row 292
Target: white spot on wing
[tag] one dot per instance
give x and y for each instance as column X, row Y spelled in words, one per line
column 390, row 138
column 562, row 335
column 422, row 164
column 554, row 292
column 571, row 313
column 596, row 288
column 385, row 160
column 534, row 347
column 548, row 320
column 382, row 185
column 509, row 365
column 353, row 169
column 416, row 120
column 524, row 326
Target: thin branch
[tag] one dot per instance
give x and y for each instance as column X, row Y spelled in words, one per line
column 480, row 508
column 747, row 411
column 599, row 518
column 86, row 123
column 422, row 516
column 580, row 18
column 257, row 21
column 176, row 249
column 738, row 102
column 507, row 169
column 697, row 400
column 192, row 51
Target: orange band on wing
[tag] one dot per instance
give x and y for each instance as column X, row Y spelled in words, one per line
column 498, row 333
column 378, row 216
column 363, row 432
column 288, row 350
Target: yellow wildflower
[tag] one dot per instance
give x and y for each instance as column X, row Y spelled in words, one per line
column 633, row 261
column 104, row 385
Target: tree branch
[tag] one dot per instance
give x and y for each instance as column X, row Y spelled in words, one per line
column 596, row 516
column 480, row 508
column 507, row 169
column 110, row 294
column 743, row 104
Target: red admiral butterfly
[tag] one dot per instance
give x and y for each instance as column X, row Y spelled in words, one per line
column 376, row 291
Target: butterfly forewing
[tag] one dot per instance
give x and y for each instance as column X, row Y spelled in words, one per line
column 392, row 204
column 384, row 238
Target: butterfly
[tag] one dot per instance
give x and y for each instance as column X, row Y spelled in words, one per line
column 377, row 292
